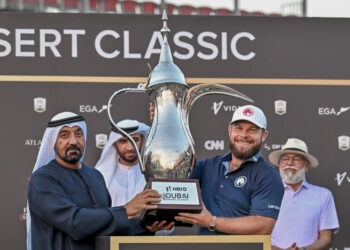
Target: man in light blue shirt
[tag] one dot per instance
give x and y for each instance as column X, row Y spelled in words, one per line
column 308, row 217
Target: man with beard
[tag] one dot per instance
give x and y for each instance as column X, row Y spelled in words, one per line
column 68, row 202
column 242, row 193
column 119, row 165
column 118, row 162
column 308, row 217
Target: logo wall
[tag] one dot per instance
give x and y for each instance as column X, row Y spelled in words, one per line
column 217, row 106
column 280, row 107
column 343, row 142
column 92, row 108
column 341, row 177
column 39, row 104
column 332, row 111
column 101, row 140
column 270, row 147
column 32, row 142
column 214, row 145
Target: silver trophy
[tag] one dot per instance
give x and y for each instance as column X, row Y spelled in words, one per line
column 168, row 156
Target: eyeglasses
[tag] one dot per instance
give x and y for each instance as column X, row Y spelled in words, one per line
column 296, row 159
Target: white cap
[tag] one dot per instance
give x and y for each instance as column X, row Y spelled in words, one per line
column 251, row 114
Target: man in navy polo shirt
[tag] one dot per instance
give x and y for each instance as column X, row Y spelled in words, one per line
column 242, row 193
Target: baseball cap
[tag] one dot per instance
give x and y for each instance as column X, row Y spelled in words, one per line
column 251, row 114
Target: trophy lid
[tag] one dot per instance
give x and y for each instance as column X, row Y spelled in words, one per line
column 166, row 71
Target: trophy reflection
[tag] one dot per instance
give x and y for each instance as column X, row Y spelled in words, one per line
column 168, row 156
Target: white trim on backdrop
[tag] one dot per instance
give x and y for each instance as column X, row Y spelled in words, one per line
column 190, row 80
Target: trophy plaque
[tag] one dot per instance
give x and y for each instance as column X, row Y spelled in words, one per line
column 177, row 196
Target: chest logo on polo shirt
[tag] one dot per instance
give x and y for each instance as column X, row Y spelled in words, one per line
column 240, row 181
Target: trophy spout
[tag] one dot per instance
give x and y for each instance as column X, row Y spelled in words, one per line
column 140, row 88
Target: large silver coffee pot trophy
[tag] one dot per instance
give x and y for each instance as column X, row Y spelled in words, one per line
column 168, row 155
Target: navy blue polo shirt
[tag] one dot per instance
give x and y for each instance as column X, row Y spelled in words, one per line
column 255, row 188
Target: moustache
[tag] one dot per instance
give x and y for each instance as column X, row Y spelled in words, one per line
column 290, row 167
column 244, row 139
column 131, row 151
column 73, row 147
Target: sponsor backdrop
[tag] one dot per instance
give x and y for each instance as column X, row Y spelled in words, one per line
column 295, row 69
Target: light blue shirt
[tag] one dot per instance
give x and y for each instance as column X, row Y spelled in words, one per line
column 303, row 214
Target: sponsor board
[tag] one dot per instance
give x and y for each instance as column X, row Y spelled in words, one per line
column 280, row 107
column 220, row 106
column 331, row 111
column 101, row 140
column 39, row 104
column 214, row 144
column 343, row 142
column 342, row 178
column 270, row 147
column 87, row 108
column 32, row 142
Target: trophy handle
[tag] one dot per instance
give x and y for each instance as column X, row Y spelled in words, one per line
column 140, row 88
column 200, row 90
column 209, row 89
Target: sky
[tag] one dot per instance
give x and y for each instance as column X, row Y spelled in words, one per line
column 315, row 8
column 328, row 8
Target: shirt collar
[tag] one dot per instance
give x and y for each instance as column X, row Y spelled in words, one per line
column 255, row 158
column 228, row 157
column 304, row 184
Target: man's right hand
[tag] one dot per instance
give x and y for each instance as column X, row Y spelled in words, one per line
column 141, row 202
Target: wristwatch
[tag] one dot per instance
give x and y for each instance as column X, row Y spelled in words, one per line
column 212, row 225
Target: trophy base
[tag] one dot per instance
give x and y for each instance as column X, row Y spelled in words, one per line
column 148, row 217
column 180, row 195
